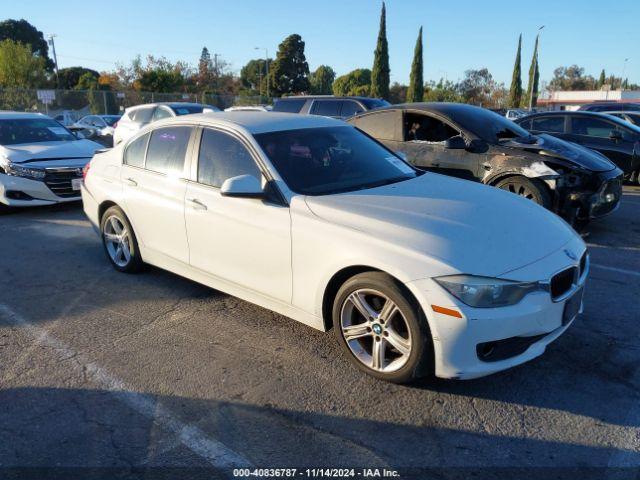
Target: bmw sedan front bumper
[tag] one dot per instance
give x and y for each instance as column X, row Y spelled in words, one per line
column 482, row 341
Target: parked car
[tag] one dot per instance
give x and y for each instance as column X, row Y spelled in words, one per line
column 616, row 139
column 514, row 113
column 327, row 105
column 604, row 106
column 416, row 272
column 476, row 144
column 99, row 128
column 628, row 116
column 135, row 118
column 66, row 117
column 41, row 161
column 249, row 108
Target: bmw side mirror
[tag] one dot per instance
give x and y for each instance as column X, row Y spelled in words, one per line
column 455, row 143
column 242, row 186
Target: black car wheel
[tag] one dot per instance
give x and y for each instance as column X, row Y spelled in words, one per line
column 531, row 189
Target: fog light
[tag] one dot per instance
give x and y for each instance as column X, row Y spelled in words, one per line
column 17, row 195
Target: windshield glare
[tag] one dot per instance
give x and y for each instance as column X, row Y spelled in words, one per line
column 32, row 130
column 321, row 161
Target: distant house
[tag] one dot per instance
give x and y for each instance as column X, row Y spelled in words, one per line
column 571, row 100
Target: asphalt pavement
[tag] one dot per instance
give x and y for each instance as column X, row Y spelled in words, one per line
column 122, row 376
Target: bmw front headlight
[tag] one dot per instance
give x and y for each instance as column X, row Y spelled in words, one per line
column 486, row 292
column 18, row 170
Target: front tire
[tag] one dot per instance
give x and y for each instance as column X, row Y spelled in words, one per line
column 529, row 188
column 382, row 329
column 119, row 241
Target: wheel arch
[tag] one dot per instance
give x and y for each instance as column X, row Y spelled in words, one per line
column 344, row 274
column 104, row 206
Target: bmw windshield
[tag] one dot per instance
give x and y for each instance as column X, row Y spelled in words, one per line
column 322, row 161
column 18, row 131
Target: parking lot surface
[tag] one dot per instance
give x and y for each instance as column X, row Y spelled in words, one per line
column 106, row 370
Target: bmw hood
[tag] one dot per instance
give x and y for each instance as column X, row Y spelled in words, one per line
column 573, row 153
column 50, row 151
column 474, row 228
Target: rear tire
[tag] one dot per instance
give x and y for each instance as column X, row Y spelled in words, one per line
column 119, row 241
column 392, row 342
column 530, row 188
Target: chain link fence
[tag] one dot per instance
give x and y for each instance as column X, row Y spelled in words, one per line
column 74, row 104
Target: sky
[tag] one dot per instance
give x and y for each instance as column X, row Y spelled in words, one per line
column 458, row 35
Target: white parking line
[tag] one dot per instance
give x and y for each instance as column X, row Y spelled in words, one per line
column 633, row 273
column 212, row 450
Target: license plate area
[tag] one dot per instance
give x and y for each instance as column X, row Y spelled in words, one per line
column 572, row 307
column 76, row 184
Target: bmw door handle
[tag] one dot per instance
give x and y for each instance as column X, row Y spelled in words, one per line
column 196, row 204
column 131, row 181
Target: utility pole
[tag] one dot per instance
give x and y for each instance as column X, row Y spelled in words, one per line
column 215, row 69
column 55, row 57
column 535, row 68
column 624, row 69
column 266, row 65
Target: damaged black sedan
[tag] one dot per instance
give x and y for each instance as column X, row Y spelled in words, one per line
column 476, row 144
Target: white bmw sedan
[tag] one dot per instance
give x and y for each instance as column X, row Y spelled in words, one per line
column 41, row 161
column 416, row 273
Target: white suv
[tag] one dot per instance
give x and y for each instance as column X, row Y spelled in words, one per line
column 135, row 118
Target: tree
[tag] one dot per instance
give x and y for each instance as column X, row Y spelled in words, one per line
column 380, row 71
column 206, row 76
column 23, row 32
column 415, row 92
column 515, row 92
column 253, row 74
column 357, row 82
column 602, row 80
column 398, row 93
column 534, row 77
column 572, row 78
column 290, row 71
column 19, row 67
column 322, row 80
column 69, row 77
column 158, row 80
column 443, row 91
column 478, row 87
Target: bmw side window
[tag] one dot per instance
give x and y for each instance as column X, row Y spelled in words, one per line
column 222, row 157
column 167, row 150
column 592, row 127
column 134, row 154
column 548, row 124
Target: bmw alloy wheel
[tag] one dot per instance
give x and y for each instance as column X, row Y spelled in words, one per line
column 375, row 330
column 117, row 241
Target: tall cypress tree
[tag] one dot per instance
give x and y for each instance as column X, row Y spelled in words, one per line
column 534, row 76
column 515, row 93
column 602, row 80
column 380, row 70
column 415, row 93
